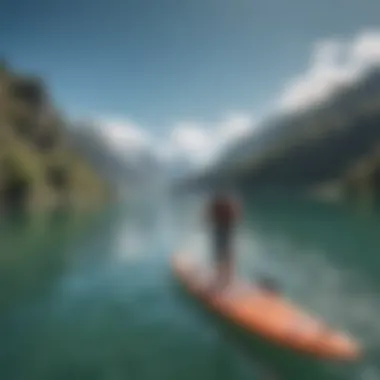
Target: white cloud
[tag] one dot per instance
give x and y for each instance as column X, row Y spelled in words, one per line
column 190, row 141
column 202, row 143
column 124, row 134
column 190, row 138
column 236, row 126
column 334, row 63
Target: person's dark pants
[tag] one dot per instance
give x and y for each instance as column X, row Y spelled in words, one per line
column 223, row 253
column 222, row 244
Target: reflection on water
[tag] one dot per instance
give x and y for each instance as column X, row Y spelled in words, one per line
column 95, row 299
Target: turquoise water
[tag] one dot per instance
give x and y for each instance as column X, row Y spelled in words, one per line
column 96, row 299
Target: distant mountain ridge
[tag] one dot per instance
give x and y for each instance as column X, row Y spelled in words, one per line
column 336, row 141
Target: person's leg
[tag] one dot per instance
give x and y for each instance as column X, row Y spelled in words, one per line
column 223, row 258
column 227, row 261
column 217, row 261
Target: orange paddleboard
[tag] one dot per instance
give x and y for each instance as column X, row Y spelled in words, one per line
column 266, row 315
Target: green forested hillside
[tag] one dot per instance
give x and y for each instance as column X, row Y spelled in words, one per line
column 38, row 166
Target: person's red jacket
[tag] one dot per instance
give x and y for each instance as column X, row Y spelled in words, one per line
column 223, row 210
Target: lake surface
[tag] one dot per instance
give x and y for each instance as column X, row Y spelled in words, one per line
column 93, row 298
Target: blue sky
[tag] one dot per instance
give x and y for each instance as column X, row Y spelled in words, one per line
column 160, row 64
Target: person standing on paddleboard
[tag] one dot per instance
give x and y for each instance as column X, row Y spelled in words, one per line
column 223, row 212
